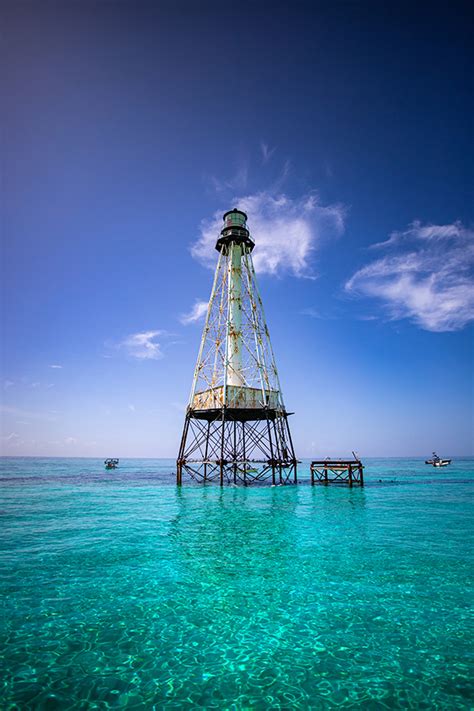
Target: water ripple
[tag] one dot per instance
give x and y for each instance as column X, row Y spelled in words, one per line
column 126, row 592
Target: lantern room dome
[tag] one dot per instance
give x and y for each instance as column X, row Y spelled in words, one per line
column 235, row 218
column 234, row 231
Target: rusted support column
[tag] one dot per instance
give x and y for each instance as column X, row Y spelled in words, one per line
column 294, row 460
column 271, row 448
column 207, row 449
column 279, row 453
column 235, row 452
column 221, row 474
column 350, row 474
column 244, row 453
column 325, row 473
column 361, row 474
column 179, row 468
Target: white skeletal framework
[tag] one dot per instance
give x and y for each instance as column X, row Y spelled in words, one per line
column 236, row 364
column 236, row 426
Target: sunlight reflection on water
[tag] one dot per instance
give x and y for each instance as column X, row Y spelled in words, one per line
column 121, row 590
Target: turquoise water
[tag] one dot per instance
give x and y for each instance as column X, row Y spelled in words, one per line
column 121, row 591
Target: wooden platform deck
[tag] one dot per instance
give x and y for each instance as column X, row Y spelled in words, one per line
column 337, row 471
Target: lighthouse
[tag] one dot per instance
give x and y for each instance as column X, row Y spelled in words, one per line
column 236, row 426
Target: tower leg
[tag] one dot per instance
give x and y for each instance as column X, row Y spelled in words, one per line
column 244, row 456
column 271, row 450
column 180, row 462
column 230, row 448
column 207, row 449
column 293, row 456
column 221, row 473
column 235, row 453
column 279, row 445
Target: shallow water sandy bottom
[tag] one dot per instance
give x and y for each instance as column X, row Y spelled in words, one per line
column 121, row 591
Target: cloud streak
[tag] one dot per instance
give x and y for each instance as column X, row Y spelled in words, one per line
column 237, row 182
column 426, row 277
column 311, row 312
column 287, row 231
column 28, row 414
column 267, row 152
column 143, row 346
column 197, row 313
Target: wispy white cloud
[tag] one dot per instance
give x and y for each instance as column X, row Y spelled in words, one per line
column 328, row 169
column 311, row 312
column 28, row 414
column 237, row 182
column 267, row 152
column 132, row 408
column 426, row 277
column 287, row 231
column 434, row 233
column 279, row 182
column 197, row 313
column 38, row 385
column 367, row 317
column 11, row 441
column 55, row 365
column 143, row 346
column 326, row 315
column 24, row 382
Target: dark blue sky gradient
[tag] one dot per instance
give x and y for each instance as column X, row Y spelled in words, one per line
column 119, row 120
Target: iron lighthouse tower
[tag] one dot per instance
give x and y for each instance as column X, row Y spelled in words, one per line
column 236, row 426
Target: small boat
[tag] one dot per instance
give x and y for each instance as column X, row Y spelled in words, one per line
column 436, row 461
column 111, row 463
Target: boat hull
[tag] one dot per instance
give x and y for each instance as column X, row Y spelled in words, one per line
column 437, row 461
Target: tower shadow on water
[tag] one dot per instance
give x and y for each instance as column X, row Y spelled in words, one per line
column 236, row 427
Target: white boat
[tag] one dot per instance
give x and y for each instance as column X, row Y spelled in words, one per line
column 437, row 461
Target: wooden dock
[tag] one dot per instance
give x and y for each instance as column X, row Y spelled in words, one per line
column 337, row 471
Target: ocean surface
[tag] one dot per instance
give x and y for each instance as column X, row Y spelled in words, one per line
column 120, row 590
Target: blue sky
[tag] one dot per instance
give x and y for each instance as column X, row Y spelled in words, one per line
column 345, row 131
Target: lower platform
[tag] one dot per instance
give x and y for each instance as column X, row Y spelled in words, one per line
column 239, row 414
column 236, row 446
column 337, row 471
column 245, row 473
